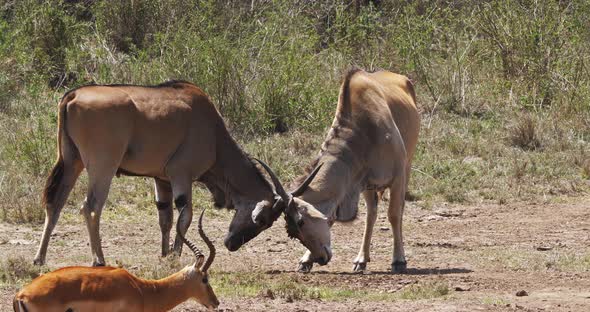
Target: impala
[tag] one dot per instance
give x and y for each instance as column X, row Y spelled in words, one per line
column 115, row 289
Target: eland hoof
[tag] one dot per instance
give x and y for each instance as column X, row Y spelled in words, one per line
column 98, row 264
column 399, row 267
column 304, row 267
column 38, row 262
column 360, row 267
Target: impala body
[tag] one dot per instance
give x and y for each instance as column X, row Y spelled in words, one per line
column 171, row 132
column 109, row 289
column 368, row 149
column 115, row 289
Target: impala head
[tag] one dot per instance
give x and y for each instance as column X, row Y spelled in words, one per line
column 197, row 273
column 304, row 222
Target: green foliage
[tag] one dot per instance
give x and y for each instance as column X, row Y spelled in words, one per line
column 40, row 35
column 543, row 51
column 275, row 66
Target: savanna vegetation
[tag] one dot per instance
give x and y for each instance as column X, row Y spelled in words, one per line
column 503, row 86
column 503, row 89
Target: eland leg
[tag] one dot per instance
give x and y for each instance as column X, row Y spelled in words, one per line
column 165, row 213
column 182, row 190
column 395, row 214
column 360, row 262
column 65, row 184
column 98, row 191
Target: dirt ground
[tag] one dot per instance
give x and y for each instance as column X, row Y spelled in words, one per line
column 484, row 253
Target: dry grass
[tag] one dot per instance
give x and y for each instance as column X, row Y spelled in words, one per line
column 18, row 270
column 427, row 290
column 293, row 288
column 524, row 133
column 533, row 261
column 459, row 159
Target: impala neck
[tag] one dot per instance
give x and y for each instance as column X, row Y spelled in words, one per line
column 166, row 293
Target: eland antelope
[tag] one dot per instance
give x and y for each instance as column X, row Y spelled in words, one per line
column 173, row 133
column 115, row 289
column 368, row 149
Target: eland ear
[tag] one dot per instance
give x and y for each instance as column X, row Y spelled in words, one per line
column 258, row 212
column 294, row 212
column 312, row 212
column 200, row 260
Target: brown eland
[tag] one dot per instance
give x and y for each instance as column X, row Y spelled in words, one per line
column 173, row 133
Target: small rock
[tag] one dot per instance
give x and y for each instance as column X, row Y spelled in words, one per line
column 544, row 248
column 384, row 228
column 522, row 293
column 449, row 214
column 431, row 218
column 20, row 242
column 462, row 288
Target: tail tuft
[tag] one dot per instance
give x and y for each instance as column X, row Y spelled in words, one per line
column 53, row 182
column 57, row 173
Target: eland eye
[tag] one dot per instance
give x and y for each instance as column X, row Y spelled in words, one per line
column 300, row 223
column 205, row 280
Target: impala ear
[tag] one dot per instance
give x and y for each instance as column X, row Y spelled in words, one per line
column 200, row 260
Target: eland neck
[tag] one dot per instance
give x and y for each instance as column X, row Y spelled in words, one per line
column 343, row 157
column 236, row 173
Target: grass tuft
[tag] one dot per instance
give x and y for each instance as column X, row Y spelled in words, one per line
column 524, row 134
column 292, row 288
column 428, row 290
column 18, row 270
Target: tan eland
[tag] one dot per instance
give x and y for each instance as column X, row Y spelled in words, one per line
column 368, row 149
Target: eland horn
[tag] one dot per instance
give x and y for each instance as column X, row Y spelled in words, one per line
column 278, row 186
column 307, row 181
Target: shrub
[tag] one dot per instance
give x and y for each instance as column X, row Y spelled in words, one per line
column 524, row 133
